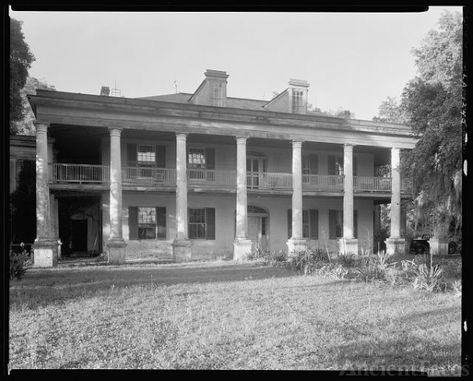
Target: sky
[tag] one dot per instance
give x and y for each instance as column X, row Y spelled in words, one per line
column 352, row 61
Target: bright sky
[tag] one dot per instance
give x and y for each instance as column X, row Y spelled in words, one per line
column 351, row 60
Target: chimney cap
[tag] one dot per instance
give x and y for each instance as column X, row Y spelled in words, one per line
column 216, row 74
column 298, row 83
column 105, row 90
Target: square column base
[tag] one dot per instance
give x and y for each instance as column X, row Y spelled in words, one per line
column 116, row 251
column 347, row 246
column 45, row 252
column 395, row 246
column 241, row 249
column 294, row 246
column 182, row 250
column 438, row 246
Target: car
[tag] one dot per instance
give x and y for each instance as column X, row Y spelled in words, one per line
column 420, row 245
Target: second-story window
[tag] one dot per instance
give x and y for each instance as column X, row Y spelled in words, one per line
column 196, row 158
column 201, row 162
column 146, row 155
column 297, row 101
column 335, row 165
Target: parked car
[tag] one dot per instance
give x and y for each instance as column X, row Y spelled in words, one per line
column 420, row 245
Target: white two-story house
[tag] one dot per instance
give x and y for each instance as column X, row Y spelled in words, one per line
column 204, row 175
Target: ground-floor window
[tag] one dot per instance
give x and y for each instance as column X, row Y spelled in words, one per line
column 336, row 224
column 201, row 223
column 147, row 222
column 310, row 224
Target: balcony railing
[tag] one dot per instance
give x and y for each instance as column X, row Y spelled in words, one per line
column 371, row 184
column 269, row 180
column 78, row 173
column 206, row 178
column 148, row 176
column 324, row 183
column 211, row 178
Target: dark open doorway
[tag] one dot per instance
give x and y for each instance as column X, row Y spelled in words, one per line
column 79, row 235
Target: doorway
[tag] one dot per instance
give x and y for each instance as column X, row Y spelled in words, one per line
column 258, row 227
column 79, row 235
column 255, row 170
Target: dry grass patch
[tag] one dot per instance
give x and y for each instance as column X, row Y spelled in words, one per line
column 225, row 316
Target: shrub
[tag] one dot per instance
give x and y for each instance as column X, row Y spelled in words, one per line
column 18, row 263
column 333, row 271
column 457, row 288
column 347, row 260
column 426, row 276
column 308, row 260
column 377, row 267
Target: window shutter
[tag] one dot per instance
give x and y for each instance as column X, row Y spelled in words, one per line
column 210, row 220
column 355, row 166
column 161, row 156
column 332, row 222
column 314, row 164
column 331, row 165
column 289, row 223
column 210, row 158
column 355, row 224
column 133, row 222
column 131, row 154
column 161, row 222
column 314, row 224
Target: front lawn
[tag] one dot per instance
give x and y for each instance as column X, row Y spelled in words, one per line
column 226, row 316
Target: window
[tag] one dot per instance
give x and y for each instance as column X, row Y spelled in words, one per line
column 147, row 222
column 202, row 223
column 297, row 101
column 146, row 155
column 310, row 224
column 201, row 163
column 336, row 224
column 196, row 158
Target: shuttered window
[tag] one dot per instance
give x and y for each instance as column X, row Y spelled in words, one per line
column 146, row 222
column 335, row 165
column 310, row 224
column 202, row 223
column 148, row 155
column 335, row 218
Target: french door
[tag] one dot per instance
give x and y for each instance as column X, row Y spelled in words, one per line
column 255, row 170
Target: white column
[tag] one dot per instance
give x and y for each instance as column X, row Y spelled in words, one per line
column 296, row 190
column 395, row 244
column 241, row 245
column 181, row 246
column 348, row 191
column 115, row 186
column 241, row 192
column 296, row 243
column 396, row 194
column 116, row 244
column 45, row 246
column 181, row 189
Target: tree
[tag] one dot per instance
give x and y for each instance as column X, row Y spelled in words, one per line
column 20, row 62
column 25, row 126
column 390, row 111
column 432, row 105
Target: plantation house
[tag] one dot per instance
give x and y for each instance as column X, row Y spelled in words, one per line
column 194, row 176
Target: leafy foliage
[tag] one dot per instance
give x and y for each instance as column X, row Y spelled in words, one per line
column 18, row 264
column 20, row 62
column 432, row 105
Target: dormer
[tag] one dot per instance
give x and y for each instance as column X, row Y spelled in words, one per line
column 298, row 90
column 213, row 89
column 292, row 100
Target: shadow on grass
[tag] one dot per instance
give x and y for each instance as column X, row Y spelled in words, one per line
column 44, row 287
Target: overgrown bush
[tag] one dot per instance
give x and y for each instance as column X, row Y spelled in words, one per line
column 272, row 257
column 347, row 260
column 377, row 267
column 333, row 271
column 18, row 263
column 425, row 276
column 308, row 260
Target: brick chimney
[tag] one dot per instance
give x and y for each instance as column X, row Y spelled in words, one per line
column 105, row 90
column 213, row 90
column 298, row 90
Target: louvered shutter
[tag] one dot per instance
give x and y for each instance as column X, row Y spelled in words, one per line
column 133, row 222
column 210, row 163
column 314, row 164
column 161, row 156
column 161, row 222
column 131, row 154
column 210, row 220
column 332, row 224
column 289, row 223
column 332, row 170
column 314, row 224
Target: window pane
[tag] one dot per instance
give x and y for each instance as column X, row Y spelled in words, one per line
column 146, row 154
column 146, row 215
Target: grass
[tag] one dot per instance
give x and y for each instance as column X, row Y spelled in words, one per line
column 226, row 316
